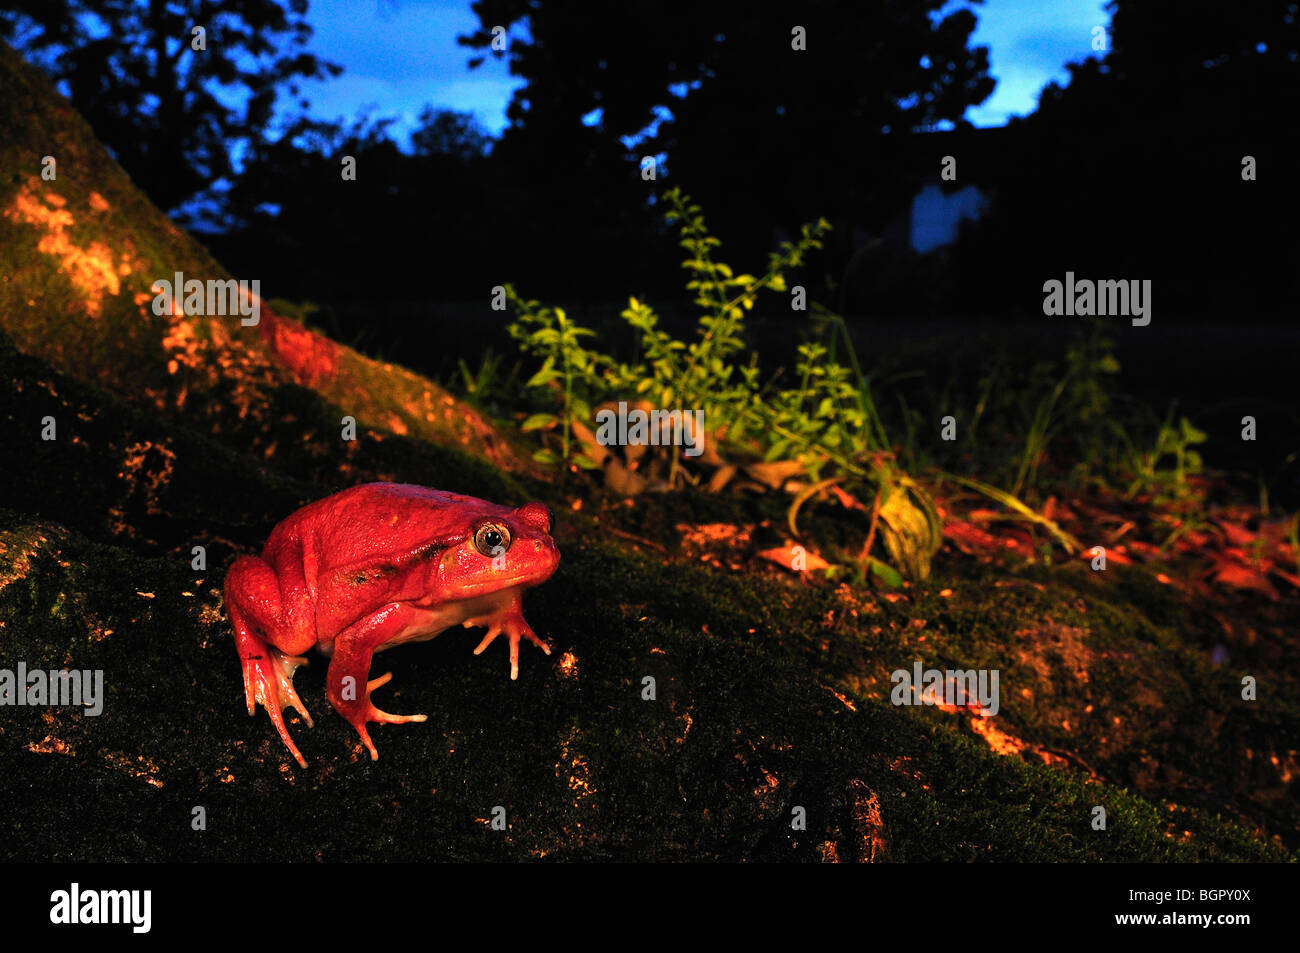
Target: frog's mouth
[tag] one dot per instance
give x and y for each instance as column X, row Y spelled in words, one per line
column 495, row 604
column 541, row 565
column 505, row 584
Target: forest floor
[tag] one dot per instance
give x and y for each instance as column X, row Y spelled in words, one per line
column 771, row 736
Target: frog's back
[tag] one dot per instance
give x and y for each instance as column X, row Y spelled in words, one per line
column 358, row 523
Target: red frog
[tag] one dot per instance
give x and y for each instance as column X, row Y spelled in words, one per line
column 373, row 567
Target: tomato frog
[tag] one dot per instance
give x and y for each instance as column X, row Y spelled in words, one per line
column 373, row 567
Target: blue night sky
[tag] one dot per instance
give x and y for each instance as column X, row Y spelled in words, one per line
column 398, row 55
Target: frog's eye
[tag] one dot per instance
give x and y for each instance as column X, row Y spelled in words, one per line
column 492, row 539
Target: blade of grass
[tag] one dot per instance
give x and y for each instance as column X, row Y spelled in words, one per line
column 1068, row 542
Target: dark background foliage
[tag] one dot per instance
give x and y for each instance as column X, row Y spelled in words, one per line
column 1131, row 170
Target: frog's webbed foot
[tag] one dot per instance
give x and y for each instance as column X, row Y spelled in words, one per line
column 516, row 628
column 268, row 679
column 358, row 714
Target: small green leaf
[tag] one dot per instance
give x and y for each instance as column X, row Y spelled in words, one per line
column 538, row 421
column 1190, row 433
column 544, row 376
column 887, row 573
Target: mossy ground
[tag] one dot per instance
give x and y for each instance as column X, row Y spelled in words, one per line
column 772, row 693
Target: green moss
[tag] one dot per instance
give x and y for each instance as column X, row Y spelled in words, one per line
column 585, row 767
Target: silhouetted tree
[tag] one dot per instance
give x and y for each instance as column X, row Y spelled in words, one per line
column 130, row 69
column 447, row 132
column 758, row 132
column 1134, row 168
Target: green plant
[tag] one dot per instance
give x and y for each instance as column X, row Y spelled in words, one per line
column 986, row 384
column 568, row 370
column 1171, row 441
column 697, row 374
column 490, row 386
column 477, row 383
column 1078, row 400
column 826, row 424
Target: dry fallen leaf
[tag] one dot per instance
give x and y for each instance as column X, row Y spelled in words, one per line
column 786, row 556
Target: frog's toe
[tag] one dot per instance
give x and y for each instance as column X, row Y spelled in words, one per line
column 278, row 720
column 365, row 739
column 268, row 680
column 380, row 717
column 522, row 630
column 384, row 717
column 493, row 631
column 285, row 678
column 515, row 628
column 532, row 637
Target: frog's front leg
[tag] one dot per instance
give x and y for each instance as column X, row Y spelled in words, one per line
column 348, row 684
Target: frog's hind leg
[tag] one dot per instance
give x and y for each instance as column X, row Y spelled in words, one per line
column 268, row 672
